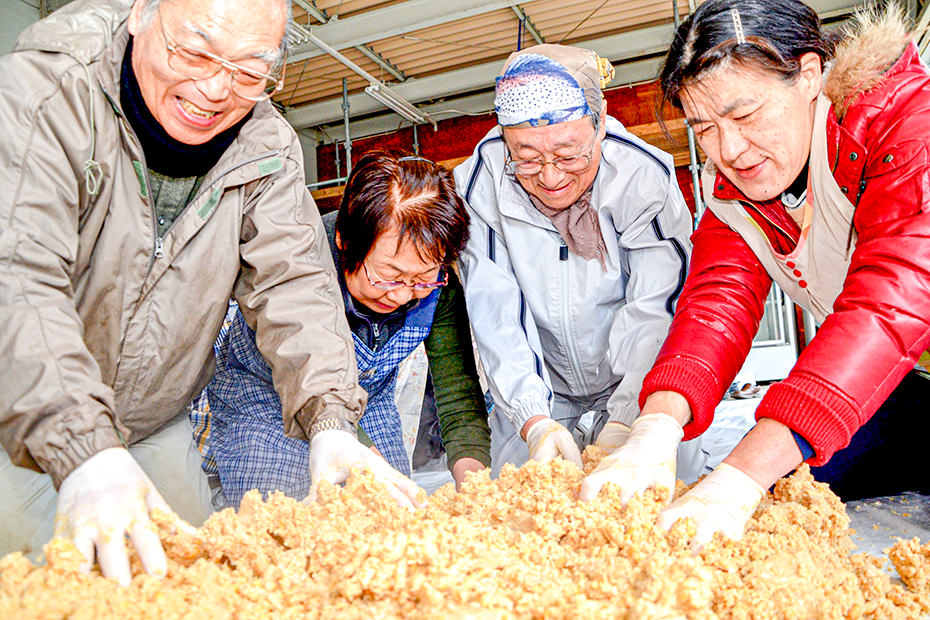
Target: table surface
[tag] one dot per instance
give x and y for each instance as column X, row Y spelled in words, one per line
column 878, row 523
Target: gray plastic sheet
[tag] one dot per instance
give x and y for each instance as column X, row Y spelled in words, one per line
column 879, row 522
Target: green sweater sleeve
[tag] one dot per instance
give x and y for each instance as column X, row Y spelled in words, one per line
column 363, row 437
column 463, row 418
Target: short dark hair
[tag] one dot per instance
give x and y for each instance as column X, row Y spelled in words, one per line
column 390, row 188
column 776, row 33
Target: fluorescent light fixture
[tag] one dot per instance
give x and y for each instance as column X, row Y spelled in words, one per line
column 376, row 88
column 398, row 104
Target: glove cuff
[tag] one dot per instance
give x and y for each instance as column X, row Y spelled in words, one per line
column 737, row 480
column 660, row 423
column 539, row 428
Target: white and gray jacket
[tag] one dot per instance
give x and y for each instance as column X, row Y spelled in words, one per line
column 547, row 321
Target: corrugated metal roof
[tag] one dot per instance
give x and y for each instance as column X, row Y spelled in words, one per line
column 483, row 37
column 429, row 50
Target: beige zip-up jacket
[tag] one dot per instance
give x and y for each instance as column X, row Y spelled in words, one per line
column 106, row 331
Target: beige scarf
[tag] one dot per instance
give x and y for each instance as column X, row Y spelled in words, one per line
column 579, row 227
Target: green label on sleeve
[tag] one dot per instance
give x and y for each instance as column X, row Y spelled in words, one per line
column 270, row 165
column 208, row 207
column 140, row 175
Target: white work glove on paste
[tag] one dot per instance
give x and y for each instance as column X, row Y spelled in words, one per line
column 612, row 436
column 547, row 439
column 333, row 455
column 104, row 499
column 721, row 502
column 645, row 461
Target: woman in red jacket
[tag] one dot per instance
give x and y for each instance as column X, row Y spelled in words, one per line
column 818, row 178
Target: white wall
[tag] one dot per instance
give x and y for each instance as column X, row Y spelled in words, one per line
column 308, row 146
column 15, row 15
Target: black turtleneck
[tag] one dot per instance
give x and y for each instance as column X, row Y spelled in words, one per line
column 794, row 196
column 164, row 154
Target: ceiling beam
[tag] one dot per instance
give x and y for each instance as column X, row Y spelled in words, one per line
column 412, row 15
column 303, row 38
column 312, row 11
column 621, row 48
column 528, row 25
column 376, row 58
column 393, row 21
column 625, row 46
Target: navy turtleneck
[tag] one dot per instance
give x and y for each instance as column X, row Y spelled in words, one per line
column 164, row 154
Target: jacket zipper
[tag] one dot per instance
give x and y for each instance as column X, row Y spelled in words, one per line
column 749, row 205
column 159, row 249
column 569, row 343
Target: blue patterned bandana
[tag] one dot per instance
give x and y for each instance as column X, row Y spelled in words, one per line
column 539, row 91
column 548, row 84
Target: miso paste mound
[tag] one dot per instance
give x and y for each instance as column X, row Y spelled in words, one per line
column 521, row 546
column 912, row 562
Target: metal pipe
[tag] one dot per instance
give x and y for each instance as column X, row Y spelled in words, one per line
column 345, row 120
column 527, row 24
column 327, row 182
column 376, row 88
column 694, row 166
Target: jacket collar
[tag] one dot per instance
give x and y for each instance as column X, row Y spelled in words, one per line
column 515, row 202
column 875, row 40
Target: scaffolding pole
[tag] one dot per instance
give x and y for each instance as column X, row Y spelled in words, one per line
column 345, row 120
column 694, row 166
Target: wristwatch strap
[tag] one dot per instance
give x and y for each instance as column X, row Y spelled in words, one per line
column 328, row 424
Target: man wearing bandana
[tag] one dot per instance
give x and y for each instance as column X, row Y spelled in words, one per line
column 578, row 251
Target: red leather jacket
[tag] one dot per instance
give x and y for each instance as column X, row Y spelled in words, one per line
column 878, row 143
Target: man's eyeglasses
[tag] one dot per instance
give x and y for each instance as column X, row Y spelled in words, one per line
column 570, row 163
column 388, row 285
column 197, row 64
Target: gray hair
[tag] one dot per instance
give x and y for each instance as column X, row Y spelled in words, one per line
column 150, row 7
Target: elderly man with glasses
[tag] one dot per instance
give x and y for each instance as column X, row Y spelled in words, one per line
column 577, row 253
column 146, row 179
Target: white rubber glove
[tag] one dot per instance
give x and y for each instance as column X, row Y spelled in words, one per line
column 106, row 498
column 645, row 461
column 612, row 436
column 333, row 454
column 722, row 502
column 547, row 439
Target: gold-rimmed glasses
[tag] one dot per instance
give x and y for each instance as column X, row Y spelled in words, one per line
column 197, row 64
column 578, row 162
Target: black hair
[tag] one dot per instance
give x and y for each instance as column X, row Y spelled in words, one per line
column 390, row 188
column 775, row 34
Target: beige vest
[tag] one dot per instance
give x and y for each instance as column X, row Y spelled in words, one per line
column 813, row 274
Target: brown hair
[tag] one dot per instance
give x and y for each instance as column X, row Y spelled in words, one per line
column 389, row 188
